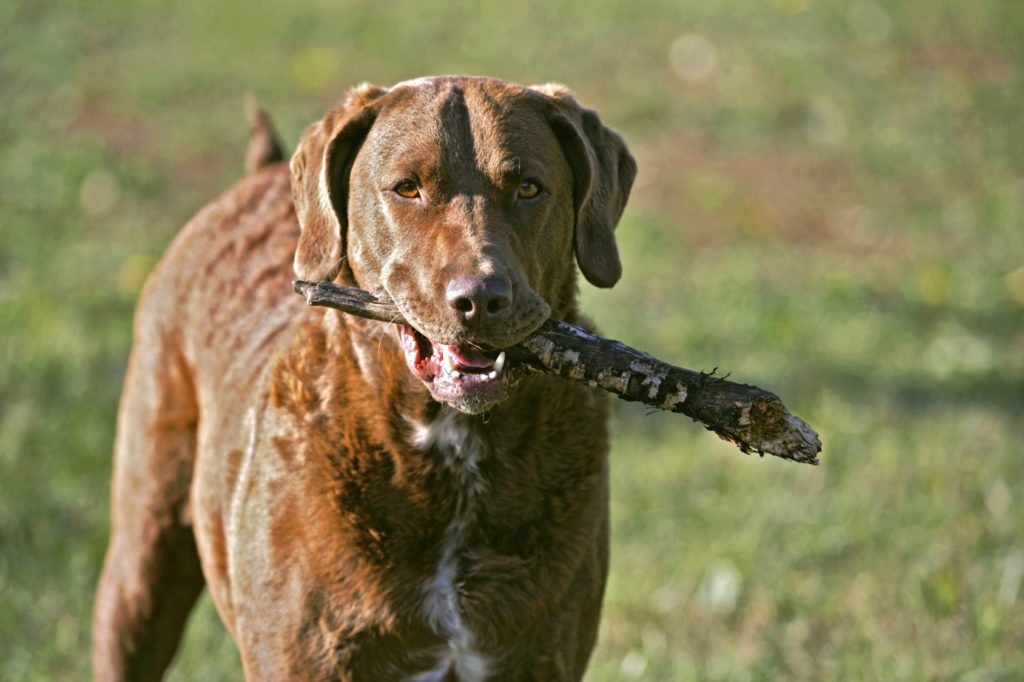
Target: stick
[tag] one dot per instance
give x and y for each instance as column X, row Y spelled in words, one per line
column 751, row 418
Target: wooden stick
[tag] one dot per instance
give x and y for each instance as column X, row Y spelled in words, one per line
column 753, row 419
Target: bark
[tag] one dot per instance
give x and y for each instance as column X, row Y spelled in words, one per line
column 753, row 419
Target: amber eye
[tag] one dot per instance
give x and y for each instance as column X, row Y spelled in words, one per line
column 407, row 189
column 528, row 189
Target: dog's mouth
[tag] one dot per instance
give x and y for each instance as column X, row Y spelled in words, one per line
column 468, row 377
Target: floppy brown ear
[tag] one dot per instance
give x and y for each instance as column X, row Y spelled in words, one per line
column 603, row 172
column 320, row 172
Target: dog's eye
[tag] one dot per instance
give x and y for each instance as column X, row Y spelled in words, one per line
column 407, row 189
column 528, row 189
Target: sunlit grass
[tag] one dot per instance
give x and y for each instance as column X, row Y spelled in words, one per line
column 829, row 206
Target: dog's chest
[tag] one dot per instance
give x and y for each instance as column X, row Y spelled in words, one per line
column 456, row 439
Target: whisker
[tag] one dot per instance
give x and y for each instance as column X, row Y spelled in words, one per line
column 384, row 329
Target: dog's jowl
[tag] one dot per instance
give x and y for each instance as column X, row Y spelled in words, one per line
column 368, row 501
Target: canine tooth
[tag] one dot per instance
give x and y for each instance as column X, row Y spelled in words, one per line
column 499, row 363
column 448, row 364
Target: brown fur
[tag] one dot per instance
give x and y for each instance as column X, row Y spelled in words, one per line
column 348, row 525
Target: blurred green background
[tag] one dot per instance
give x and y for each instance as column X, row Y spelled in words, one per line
column 829, row 205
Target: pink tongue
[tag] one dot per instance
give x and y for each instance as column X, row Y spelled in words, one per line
column 467, row 356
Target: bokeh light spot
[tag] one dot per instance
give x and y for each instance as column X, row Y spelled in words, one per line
column 693, row 58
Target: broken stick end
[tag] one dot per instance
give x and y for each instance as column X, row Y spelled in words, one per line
column 769, row 428
column 797, row 441
column 303, row 287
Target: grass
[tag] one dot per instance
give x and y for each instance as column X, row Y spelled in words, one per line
column 830, row 205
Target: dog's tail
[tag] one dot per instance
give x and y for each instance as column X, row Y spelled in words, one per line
column 264, row 145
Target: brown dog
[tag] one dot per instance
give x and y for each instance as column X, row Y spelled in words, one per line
column 367, row 503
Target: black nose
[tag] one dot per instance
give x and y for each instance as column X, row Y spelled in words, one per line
column 479, row 299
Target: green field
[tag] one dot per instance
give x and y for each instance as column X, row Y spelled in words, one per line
column 830, row 205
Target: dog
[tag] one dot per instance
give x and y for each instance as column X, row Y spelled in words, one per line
column 365, row 501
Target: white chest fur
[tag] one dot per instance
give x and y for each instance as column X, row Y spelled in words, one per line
column 455, row 437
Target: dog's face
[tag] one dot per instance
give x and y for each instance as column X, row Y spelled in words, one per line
column 464, row 201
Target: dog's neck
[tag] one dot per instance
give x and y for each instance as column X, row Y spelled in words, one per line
column 458, row 439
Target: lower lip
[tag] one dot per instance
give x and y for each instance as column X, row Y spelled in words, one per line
column 469, row 393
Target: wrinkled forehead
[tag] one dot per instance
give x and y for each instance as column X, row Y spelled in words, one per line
column 463, row 123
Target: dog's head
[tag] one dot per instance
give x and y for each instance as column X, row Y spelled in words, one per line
column 464, row 201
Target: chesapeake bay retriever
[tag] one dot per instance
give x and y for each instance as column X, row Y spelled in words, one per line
column 368, row 502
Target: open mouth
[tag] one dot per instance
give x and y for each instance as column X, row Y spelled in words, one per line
column 466, row 376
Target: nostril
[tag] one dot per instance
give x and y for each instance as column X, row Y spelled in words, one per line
column 462, row 304
column 495, row 297
column 471, row 296
column 497, row 304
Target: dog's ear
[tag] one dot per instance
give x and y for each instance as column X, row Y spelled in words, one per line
column 320, row 172
column 603, row 172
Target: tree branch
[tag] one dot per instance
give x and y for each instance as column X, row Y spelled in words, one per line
column 753, row 419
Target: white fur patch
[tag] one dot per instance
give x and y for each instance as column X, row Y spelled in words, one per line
column 454, row 437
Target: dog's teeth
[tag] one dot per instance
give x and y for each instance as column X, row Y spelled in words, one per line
column 498, row 364
column 448, row 364
column 493, row 374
